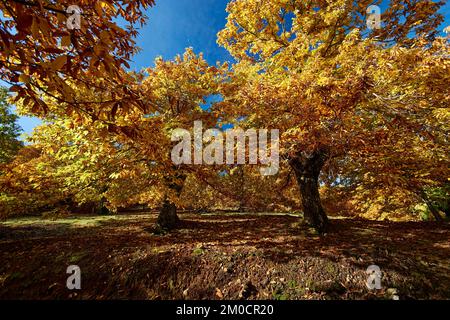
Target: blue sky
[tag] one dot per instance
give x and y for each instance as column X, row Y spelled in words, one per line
column 174, row 25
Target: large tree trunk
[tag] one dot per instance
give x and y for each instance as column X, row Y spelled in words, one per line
column 307, row 169
column 100, row 208
column 168, row 218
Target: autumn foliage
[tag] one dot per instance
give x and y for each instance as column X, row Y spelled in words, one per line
column 363, row 114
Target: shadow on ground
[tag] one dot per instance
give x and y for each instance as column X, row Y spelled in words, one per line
column 238, row 256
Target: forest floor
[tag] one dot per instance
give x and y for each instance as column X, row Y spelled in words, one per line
column 222, row 256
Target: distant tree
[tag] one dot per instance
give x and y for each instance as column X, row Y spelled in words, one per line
column 9, row 129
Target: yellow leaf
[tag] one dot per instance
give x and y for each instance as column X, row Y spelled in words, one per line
column 59, row 62
column 24, row 78
column 65, row 41
column 35, row 28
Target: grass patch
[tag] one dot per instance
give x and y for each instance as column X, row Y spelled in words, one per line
column 198, row 251
column 76, row 257
column 71, row 221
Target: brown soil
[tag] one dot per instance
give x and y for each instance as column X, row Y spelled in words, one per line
column 240, row 256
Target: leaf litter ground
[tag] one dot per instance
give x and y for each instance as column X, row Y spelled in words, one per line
column 222, row 256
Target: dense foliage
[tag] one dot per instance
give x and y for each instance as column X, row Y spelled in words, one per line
column 363, row 114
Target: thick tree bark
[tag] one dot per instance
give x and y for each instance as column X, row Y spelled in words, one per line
column 168, row 218
column 101, row 209
column 307, row 169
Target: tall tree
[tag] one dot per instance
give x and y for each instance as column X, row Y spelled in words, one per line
column 132, row 144
column 314, row 70
column 179, row 90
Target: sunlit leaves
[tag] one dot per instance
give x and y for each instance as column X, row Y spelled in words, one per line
column 378, row 100
column 41, row 57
